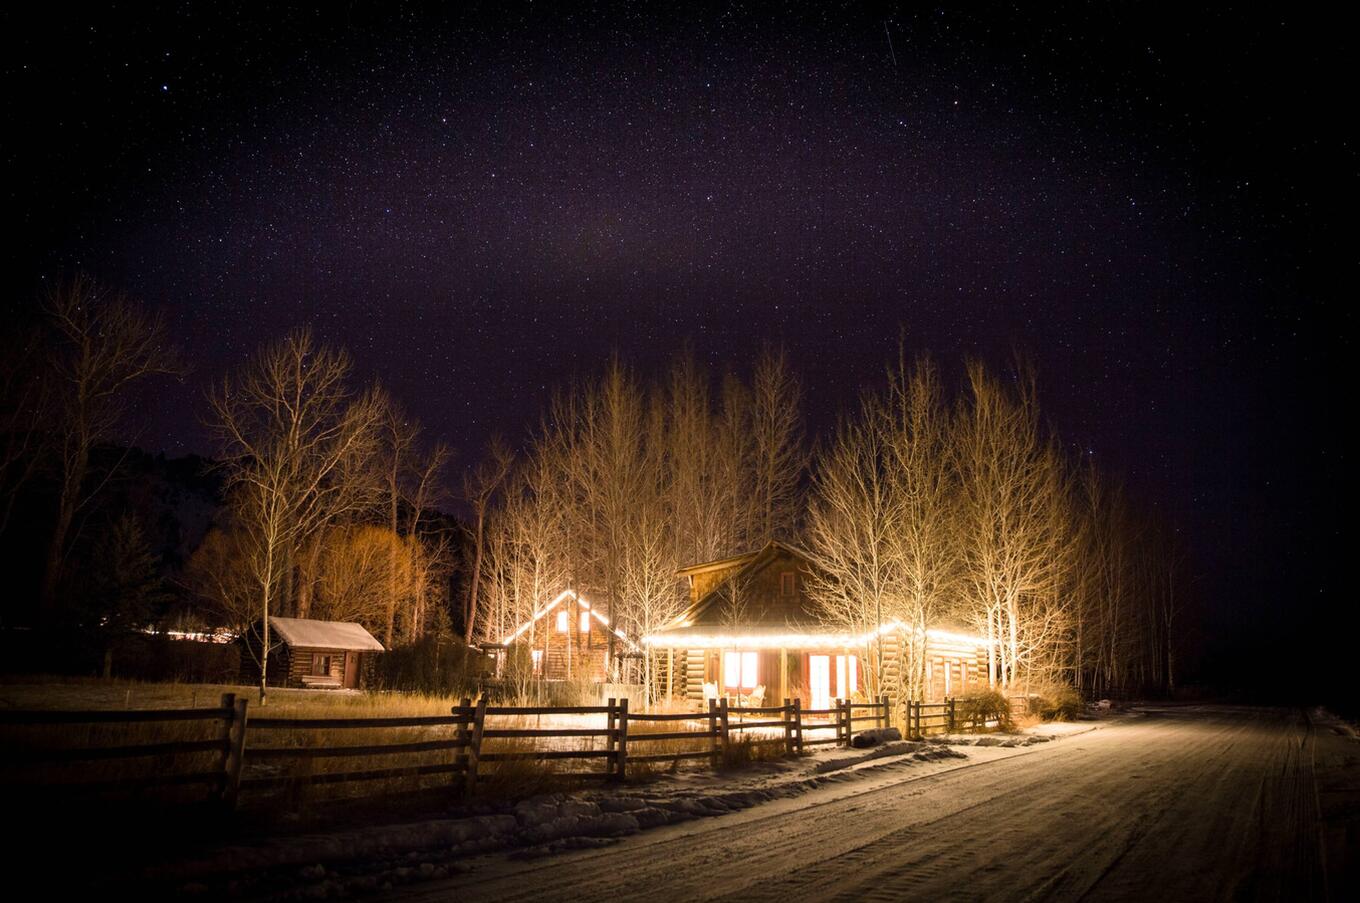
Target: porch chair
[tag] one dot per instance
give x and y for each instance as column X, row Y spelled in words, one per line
column 710, row 691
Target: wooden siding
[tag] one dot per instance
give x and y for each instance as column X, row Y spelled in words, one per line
column 575, row 654
column 287, row 665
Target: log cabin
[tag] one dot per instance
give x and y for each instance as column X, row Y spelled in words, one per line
column 312, row 654
column 752, row 634
column 568, row 639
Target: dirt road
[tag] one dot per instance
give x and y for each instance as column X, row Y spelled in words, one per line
column 1170, row 804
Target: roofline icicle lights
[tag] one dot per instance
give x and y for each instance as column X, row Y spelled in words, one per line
column 787, row 640
column 566, row 594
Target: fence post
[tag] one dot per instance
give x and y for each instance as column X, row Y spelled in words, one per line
column 951, row 714
column 612, row 736
column 722, row 723
column 843, row 721
column 787, row 714
column 883, row 711
column 236, row 747
column 713, row 730
column 462, row 735
column 475, row 744
column 798, row 724
column 621, row 769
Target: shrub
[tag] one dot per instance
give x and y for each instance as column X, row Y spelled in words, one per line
column 1064, row 704
column 982, row 706
column 744, row 749
column 432, row 664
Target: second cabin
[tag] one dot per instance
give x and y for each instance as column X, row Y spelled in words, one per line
column 568, row 639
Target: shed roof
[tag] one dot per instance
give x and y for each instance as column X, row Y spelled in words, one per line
column 305, row 633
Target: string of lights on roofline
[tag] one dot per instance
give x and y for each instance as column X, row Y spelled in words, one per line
column 561, row 597
column 808, row 639
column 677, row 638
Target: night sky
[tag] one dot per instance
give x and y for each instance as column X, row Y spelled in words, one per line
column 482, row 203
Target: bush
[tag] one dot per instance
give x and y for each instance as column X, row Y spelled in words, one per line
column 441, row 665
column 1063, row 704
column 744, row 749
column 981, row 706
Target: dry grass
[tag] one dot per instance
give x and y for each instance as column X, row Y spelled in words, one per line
column 66, row 693
column 504, row 779
column 97, row 694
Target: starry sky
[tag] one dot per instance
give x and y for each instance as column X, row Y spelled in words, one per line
column 484, row 202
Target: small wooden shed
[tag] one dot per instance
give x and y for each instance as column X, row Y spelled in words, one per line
column 310, row 653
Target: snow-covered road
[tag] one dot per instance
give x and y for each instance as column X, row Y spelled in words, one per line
column 1175, row 803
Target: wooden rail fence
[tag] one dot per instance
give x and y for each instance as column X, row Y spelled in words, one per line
column 222, row 782
column 472, row 736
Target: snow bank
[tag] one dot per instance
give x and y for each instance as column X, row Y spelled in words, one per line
column 382, row 857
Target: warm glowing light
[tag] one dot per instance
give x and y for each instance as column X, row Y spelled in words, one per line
column 561, row 597
column 562, row 621
column 679, row 636
column 739, row 670
column 585, row 622
column 847, row 677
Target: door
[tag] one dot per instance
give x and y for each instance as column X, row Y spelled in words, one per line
column 819, row 680
column 352, row 670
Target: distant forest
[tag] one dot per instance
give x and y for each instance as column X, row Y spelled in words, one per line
column 930, row 500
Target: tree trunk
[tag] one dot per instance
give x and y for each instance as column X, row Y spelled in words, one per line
column 72, row 479
column 470, row 607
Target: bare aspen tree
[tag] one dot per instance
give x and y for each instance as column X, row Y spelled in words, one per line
column 649, row 566
column 423, row 489
column 850, row 522
column 396, row 439
column 102, row 344
column 607, row 467
column 290, row 431
column 777, row 457
column 1007, row 484
column 480, row 486
column 923, row 542
column 700, row 515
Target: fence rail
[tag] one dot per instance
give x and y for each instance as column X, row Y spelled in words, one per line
column 472, row 739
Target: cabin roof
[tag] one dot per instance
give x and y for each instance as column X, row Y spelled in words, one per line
column 306, row 633
column 719, row 564
column 707, row 612
column 704, row 622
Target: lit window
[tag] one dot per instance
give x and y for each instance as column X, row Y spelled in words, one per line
column 537, row 655
column 748, row 670
column 732, row 670
column 739, row 670
column 847, row 676
column 948, row 673
column 562, row 621
column 585, row 622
